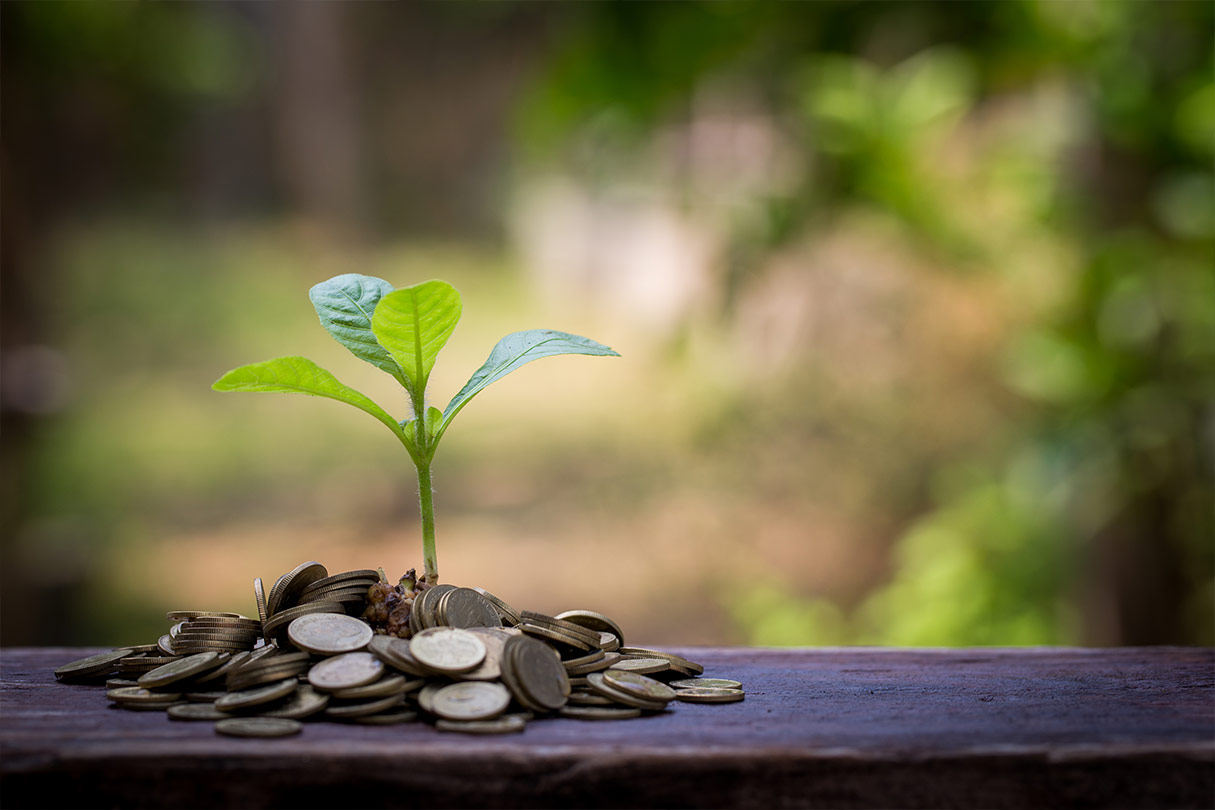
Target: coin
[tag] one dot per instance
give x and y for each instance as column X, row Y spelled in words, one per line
column 137, row 694
column 140, row 649
column 424, row 605
column 426, row 696
column 588, row 637
column 237, row 701
column 395, row 653
column 554, row 635
column 329, row 633
column 706, row 683
column 677, row 662
column 388, row 718
column 593, row 621
column 698, row 695
column 182, row 615
column 93, row 666
column 165, row 644
column 509, row 724
column 592, row 657
column 494, row 639
column 119, row 683
column 609, row 642
column 258, row 727
column 346, row 671
column 204, row 697
column 608, row 660
column 287, row 590
column 539, row 672
column 259, row 596
column 600, row 712
column 366, row 574
column 281, row 620
column 363, row 708
column 581, row 697
column 471, row 700
column 464, row 608
column 639, row 685
column 596, row 682
column 447, row 649
column 642, row 666
column 196, row 711
column 217, row 675
column 507, row 613
column 389, row 685
column 180, row 670
column 303, row 702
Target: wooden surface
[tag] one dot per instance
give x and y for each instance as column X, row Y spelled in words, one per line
column 828, row 727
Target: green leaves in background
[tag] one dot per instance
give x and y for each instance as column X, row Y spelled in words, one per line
column 345, row 305
column 299, row 375
column 515, row 350
column 413, row 324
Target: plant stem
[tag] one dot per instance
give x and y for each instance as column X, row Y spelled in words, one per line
column 426, row 499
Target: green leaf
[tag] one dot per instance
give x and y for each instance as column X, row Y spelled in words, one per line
column 345, row 305
column 513, row 351
column 299, row 375
column 434, row 418
column 413, row 324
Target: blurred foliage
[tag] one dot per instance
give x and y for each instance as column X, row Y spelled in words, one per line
column 989, row 132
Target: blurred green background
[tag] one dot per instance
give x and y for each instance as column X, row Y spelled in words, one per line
column 916, row 304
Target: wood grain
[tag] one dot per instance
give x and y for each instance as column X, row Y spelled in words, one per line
column 1035, row 727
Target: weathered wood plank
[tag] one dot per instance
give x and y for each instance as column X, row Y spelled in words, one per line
column 819, row 728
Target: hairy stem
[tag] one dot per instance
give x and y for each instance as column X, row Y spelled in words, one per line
column 426, row 499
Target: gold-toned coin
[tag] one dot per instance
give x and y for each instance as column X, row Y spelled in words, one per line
column 508, row 724
column 303, row 702
column 343, row 595
column 180, row 670
column 588, row 637
column 119, row 683
column 346, row 671
column 593, row 621
column 698, row 695
column 494, row 639
column 596, row 683
column 141, row 649
column 182, row 615
column 137, row 694
column 223, row 623
column 678, row 663
column 248, row 698
column 329, row 633
column 608, row 660
column 363, row 575
column 538, row 671
column 260, row 677
column 609, row 642
column 552, row 634
column 92, row 666
column 282, row 620
column 392, row 718
column 465, row 608
column 600, row 712
column 590, row 658
column 288, row 589
column 384, row 687
column 218, row 675
column 259, row 596
column 638, row 685
column 426, row 696
column 363, row 708
column 508, row 614
column 581, row 697
column 642, row 666
column 706, row 683
column 447, row 649
column 395, row 653
column 471, row 700
column 144, row 663
column 258, row 727
column 196, row 711
column 150, row 706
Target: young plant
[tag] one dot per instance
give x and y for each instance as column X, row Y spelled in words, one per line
column 401, row 332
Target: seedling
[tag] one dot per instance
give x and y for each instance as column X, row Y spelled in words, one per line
column 401, row 332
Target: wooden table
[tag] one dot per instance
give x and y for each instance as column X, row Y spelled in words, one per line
column 820, row 727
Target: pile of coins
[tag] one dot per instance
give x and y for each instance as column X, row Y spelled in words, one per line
column 472, row 664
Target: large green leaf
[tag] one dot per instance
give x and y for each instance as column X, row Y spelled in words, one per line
column 299, row 375
column 413, row 324
column 345, row 305
column 513, row 351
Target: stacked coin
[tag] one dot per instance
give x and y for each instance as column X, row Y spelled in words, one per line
column 309, row 589
column 461, row 667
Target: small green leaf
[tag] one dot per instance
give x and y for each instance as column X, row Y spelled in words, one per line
column 345, row 305
column 434, row 418
column 515, row 350
column 299, row 375
column 413, row 324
